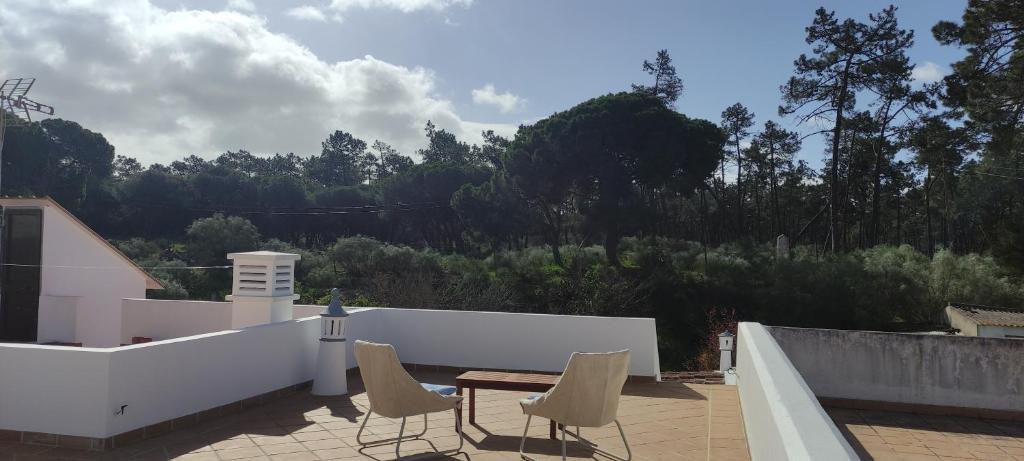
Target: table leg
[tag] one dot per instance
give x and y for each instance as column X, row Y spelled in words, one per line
column 472, row 405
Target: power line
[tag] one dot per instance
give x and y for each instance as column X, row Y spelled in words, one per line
column 308, row 211
column 1001, row 176
column 156, row 268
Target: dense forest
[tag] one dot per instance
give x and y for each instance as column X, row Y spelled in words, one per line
column 622, row 205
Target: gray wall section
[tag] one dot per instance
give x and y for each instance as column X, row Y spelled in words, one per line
column 955, row 371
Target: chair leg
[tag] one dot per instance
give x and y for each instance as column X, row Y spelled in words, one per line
column 629, row 453
column 398, row 444
column 359, row 434
column 563, row 442
column 362, row 426
column 593, row 446
column 458, row 425
column 522, row 443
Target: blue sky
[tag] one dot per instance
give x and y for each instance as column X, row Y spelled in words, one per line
column 429, row 55
column 558, row 53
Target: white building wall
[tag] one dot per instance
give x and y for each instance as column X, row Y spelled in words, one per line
column 99, row 289
column 1001, row 332
column 57, row 319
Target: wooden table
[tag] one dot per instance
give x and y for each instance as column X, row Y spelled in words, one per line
column 524, row 382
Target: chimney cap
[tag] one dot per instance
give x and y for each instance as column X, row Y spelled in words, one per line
column 334, row 309
column 264, row 255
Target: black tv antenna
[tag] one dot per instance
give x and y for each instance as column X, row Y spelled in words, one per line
column 16, row 107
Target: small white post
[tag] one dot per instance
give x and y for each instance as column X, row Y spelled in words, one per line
column 725, row 343
column 332, row 357
column 262, row 287
column 782, row 246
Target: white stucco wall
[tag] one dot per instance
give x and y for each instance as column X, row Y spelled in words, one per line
column 54, row 389
column 169, row 379
column 100, row 288
column 957, row 371
column 77, row 391
column 57, row 319
column 516, row 341
column 166, row 319
column 782, row 417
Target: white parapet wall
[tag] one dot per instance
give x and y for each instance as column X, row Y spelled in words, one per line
column 161, row 319
column 782, row 417
column 514, row 341
column 939, row 370
column 160, row 381
column 54, row 389
column 102, row 392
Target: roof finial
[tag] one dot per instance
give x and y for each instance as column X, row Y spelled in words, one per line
column 334, row 309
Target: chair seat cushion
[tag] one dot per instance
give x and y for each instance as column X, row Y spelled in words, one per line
column 439, row 388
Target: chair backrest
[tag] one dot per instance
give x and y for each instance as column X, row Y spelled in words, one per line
column 393, row 393
column 588, row 392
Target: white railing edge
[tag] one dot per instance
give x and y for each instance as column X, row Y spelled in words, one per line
column 805, row 429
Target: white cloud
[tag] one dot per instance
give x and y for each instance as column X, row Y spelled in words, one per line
column 928, row 72
column 160, row 84
column 241, row 5
column 307, row 13
column 405, row 6
column 505, row 102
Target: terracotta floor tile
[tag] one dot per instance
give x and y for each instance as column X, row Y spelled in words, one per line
column 907, row 436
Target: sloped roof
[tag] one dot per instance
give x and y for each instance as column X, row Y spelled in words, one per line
column 991, row 316
column 151, row 282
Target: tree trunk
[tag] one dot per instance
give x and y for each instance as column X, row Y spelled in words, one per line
column 899, row 218
column 776, row 223
column 836, row 134
column 928, row 211
column 739, row 187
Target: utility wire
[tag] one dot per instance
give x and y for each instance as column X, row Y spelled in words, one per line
column 161, row 268
column 1001, row 176
column 308, row 211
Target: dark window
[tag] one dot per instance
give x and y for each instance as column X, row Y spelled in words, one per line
column 21, row 250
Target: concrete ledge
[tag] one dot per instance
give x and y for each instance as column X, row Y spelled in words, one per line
column 920, row 409
column 783, row 419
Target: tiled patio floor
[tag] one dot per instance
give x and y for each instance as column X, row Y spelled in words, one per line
column 665, row 421
column 883, row 436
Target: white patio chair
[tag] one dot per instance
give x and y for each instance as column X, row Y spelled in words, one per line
column 586, row 395
column 393, row 393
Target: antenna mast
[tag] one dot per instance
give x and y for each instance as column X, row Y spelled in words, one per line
column 15, row 107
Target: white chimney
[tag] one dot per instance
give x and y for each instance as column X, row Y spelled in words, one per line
column 332, row 356
column 725, row 344
column 262, row 287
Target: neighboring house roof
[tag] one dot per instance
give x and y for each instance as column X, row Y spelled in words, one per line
column 151, row 282
column 990, row 316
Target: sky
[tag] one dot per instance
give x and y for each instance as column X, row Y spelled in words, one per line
column 162, row 79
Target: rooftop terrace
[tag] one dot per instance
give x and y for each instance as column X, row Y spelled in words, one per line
column 664, row 421
column 884, row 435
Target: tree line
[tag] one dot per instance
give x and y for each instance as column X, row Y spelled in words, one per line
column 932, row 166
